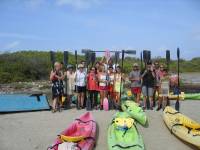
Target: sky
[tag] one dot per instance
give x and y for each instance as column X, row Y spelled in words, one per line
column 155, row 25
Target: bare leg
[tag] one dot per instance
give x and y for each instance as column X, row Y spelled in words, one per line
column 54, row 104
column 151, row 102
column 82, row 99
column 138, row 98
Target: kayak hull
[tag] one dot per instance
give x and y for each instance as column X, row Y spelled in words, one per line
column 182, row 126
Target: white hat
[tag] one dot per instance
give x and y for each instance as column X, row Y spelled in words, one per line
column 135, row 65
column 80, row 66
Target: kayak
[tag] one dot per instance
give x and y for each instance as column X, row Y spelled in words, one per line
column 182, row 126
column 80, row 135
column 134, row 111
column 23, row 102
column 123, row 133
column 174, row 97
column 192, row 96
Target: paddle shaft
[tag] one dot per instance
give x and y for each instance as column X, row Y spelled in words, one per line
column 177, row 106
column 121, row 73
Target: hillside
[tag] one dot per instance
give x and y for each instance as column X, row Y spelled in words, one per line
column 36, row 65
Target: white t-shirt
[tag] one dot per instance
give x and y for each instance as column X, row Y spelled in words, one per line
column 80, row 78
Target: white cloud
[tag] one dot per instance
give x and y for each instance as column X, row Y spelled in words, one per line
column 12, row 45
column 78, row 4
column 33, row 4
column 21, row 36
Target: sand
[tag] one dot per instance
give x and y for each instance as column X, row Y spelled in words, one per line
column 37, row 130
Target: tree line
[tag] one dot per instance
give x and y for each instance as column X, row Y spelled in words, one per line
column 36, row 65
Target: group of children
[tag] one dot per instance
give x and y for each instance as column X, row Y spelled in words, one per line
column 106, row 79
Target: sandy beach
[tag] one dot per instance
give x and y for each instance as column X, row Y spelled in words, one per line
column 37, row 130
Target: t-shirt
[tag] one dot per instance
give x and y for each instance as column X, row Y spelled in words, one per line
column 135, row 74
column 148, row 79
column 80, row 78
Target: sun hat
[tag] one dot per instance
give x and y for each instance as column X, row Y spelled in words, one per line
column 80, row 66
column 135, row 65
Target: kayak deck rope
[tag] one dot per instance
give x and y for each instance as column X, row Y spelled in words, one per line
column 167, row 112
column 126, row 147
column 85, row 121
column 189, row 129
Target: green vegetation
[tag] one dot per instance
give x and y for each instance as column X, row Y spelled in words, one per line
column 36, row 65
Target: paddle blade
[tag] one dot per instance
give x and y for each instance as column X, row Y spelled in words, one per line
column 145, row 55
column 148, row 56
column 133, row 52
column 178, row 53
column 93, row 57
column 87, row 58
column 52, row 58
column 177, row 106
column 168, row 55
column 65, row 59
column 116, row 57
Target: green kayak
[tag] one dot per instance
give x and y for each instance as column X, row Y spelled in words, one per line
column 123, row 133
column 134, row 111
column 194, row 96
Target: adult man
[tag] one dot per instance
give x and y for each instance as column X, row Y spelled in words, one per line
column 148, row 77
column 135, row 78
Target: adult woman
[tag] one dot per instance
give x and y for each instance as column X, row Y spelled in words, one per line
column 164, row 88
column 70, row 75
column 92, row 85
column 56, row 76
column 80, row 78
column 103, row 82
column 118, row 84
column 135, row 78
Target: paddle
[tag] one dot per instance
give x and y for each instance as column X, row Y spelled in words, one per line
column 76, row 61
column 141, row 61
column 167, row 58
column 116, row 57
column 122, row 71
column 65, row 61
column 93, row 58
column 52, row 58
column 177, row 106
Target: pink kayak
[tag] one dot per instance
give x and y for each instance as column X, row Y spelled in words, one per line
column 82, row 133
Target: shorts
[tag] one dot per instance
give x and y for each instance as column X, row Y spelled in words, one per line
column 103, row 88
column 149, row 93
column 81, row 89
column 136, row 90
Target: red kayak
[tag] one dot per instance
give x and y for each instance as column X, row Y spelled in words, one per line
column 80, row 135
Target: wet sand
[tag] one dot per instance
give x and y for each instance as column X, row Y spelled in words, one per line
column 37, row 130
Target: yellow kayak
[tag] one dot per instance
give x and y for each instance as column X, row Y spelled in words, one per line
column 182, row 126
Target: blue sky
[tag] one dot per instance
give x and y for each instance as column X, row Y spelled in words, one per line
column 155, row 25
